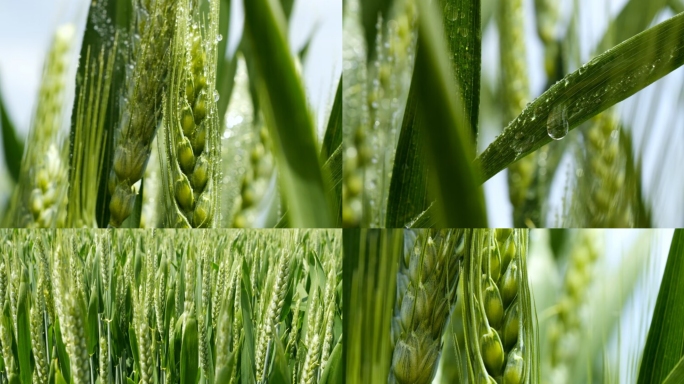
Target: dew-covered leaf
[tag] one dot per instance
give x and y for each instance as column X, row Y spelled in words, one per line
column 599, row 84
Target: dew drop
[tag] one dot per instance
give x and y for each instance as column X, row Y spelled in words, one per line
column 567, row 82
column 557, row 123
column 219, row 37
column 216, row 95
column 450, row 11
column 582, row 69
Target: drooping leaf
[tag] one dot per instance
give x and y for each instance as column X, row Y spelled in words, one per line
column 284, row 105
column 606, row 80
column 665, row 342
column 13, row 147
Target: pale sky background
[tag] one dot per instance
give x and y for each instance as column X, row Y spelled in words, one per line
column 26, row 29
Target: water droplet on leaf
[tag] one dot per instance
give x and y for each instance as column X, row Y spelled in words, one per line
column 557, row 124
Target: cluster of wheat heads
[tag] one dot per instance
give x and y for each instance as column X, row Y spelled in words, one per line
column 143, row 306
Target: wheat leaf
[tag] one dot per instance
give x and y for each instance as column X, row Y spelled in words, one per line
column 285, row 107
column 453, row 181
column 676, row 375
column 665, row 342
column 13, row 147
column 408, row 195
column 603, row 82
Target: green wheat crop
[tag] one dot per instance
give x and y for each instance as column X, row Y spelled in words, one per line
column 143, row 306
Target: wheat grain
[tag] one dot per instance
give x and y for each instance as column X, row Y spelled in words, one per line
column 426, row 293
column 190, row 137
column 499, row 329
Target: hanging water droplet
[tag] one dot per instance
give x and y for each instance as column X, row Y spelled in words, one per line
column 216, row 95
column 219, row 37
column 557, row 124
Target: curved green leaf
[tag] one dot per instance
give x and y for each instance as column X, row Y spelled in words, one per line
column 665, row 343
column 606, row 80
column 284, row 105
column 13, row 147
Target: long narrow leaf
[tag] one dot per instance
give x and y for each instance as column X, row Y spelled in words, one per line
column 284, row 105
column 453, row 179
column 13, row 147
column 665, row 342
column 408, row 196
column 606, row 80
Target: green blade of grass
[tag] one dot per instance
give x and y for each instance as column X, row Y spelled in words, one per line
column 665, row 343
column 603, row 82
column 285, row 107
column 408, row 196
column 453, row 181
column 13, row 147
